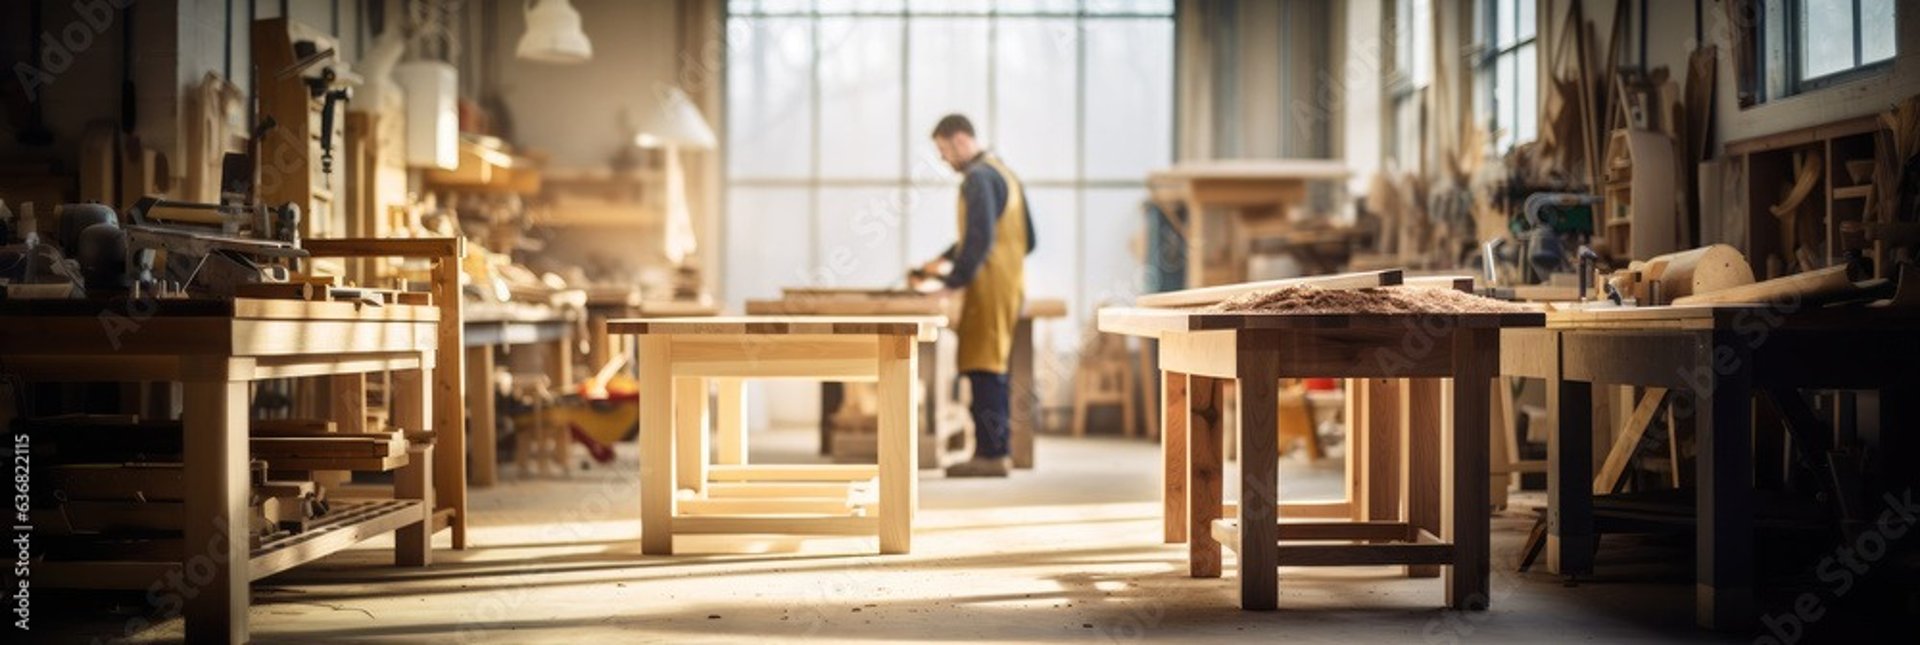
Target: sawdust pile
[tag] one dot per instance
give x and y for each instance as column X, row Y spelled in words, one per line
column 1308, row 299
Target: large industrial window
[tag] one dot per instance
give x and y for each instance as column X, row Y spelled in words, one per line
column 1412, row 73
column 832, row 179
column 1512, row 95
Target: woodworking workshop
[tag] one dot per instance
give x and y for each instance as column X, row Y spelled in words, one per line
column 1354, row 321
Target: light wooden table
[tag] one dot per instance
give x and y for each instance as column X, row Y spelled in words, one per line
column 1024, row 417
column 215, row 350
column 681, row 493
column 1243, row 187
column 1447, row 519
column 1716, row 358
column 488, row 329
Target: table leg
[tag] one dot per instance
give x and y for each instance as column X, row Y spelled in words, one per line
column 1467, row 524
column 1173, row 457
column 1259, row 386
column 1570, row 531
column 409, row 395
column 690, row 433
column 1204, row 476
column 413, row 544
column 1355, row 459
column 214, row 414
column 485, row 435
column 730, row 421
column 1723, row 594
column 1384, row 434
column 899, row 439
column 450, row 403
column 656, row 446
column 1026, row 398
column 1420, row 480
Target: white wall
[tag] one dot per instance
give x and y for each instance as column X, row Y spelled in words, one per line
column 572, row 112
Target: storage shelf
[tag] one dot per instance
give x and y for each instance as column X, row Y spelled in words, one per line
column 349, row 523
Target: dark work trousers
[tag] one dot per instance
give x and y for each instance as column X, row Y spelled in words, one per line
column 990, row 414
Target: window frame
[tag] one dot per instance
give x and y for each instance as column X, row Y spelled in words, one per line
column 1796, row 44
column 1779, row 62
column 1406, row 87
column 814, row 181
column 1486, row 70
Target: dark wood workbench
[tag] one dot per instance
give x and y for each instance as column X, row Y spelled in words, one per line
column 1716, row 358
column 1447, row 523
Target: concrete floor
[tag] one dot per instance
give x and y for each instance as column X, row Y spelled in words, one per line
column 1069, row 551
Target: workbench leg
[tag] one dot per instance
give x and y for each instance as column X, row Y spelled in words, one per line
column 1503, row 449
column 1205, row 478
column 1026, row 398
column 559, row 360
column 1356, row 457
column 1173, row 457
column 485, row 438
column 690, row 433
column 347, row 408
column 1570, row 530
column 1467, row 523
column 450, row 400
column 1259, row 385
column 215, row 418
column 656, row 446
column 413, row 543
column 937, row 395
column 899, row 443
column 1723, row 594
column 730, row 421
column 1420, row 405
column 1897, row 412
column 1383, row 449
column 409, row 397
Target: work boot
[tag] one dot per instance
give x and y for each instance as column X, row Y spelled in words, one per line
column 982, row 467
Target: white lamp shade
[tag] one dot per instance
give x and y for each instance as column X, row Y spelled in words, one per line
column 554, row 34
column 677, row 123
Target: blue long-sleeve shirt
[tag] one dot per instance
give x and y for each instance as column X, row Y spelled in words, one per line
column 985, row 194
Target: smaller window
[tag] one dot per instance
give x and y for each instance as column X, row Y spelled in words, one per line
column 1833, row 40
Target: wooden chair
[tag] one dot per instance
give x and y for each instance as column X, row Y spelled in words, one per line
column 1105, row 377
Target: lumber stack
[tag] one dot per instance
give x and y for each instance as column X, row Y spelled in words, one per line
column 135, row 510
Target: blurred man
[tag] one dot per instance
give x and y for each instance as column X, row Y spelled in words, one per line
column 996, row 234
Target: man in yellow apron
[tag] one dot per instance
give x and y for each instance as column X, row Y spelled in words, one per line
column 996, row 234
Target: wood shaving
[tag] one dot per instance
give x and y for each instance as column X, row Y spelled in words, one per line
column 1308, row 299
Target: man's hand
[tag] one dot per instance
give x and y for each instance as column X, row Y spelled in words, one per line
column 929, row 277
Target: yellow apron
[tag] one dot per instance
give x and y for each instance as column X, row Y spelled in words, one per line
column 991, row 306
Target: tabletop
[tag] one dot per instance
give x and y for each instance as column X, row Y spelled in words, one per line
column 923, row 328
column 1153, row 322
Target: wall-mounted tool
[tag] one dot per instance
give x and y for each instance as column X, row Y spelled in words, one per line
column 301, row 84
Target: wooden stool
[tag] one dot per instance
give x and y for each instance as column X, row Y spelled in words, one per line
column 681, row 493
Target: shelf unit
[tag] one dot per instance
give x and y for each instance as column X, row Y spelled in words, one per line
column 1823, row 221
